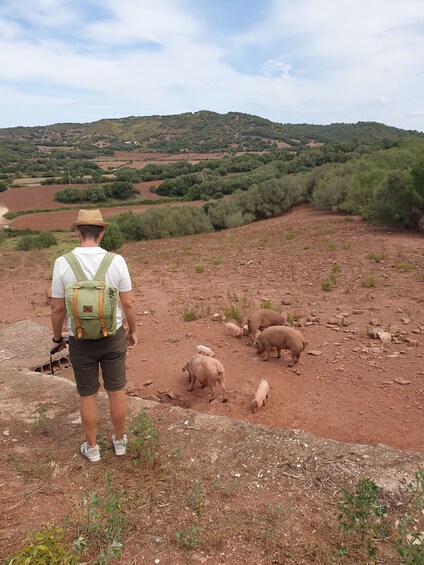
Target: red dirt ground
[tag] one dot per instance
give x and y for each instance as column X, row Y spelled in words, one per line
column 357, row 390
column 42, row 196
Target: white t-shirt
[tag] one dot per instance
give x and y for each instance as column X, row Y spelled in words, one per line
column 90, row 258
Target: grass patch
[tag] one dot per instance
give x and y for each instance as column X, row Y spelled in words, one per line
column 377, row 257
column 307, row 246
column 199, row 268
column 215, row 260
column 403, row 266
column 332, row 245
column 369, row 282
column 195, row 311
column 289, row 235
column 327, row 285
column 270, row 306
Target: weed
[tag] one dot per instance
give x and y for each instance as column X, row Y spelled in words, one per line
column 327, row 285
column 408, row 542
column 215, row 260
column 361, row 514
column 189, row 536
column 41, row 422
column 187, row 249
column 336, row 269
column 332, row 245
column 144, row 438
column 103, row 521
column 190, row 315
column 45, row 546
column 377, row 257
column 263, row 240
column 289, row 235
column 369, row 282
column 199, row 268
column 270, row 306
column 347, row 244
column 307, row 246
column 195, row 312
column 403, row 266
column 233, row 313
column 293, row 317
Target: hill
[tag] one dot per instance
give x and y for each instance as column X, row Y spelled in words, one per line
column 204, row 132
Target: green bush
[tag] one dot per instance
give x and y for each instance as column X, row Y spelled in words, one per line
column 113, row 238
column 42, row 241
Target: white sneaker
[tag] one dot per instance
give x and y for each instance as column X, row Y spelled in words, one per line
column 91, row 453
column 120, row 447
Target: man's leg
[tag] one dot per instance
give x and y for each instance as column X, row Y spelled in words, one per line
column 89, row 418
column 118, row 412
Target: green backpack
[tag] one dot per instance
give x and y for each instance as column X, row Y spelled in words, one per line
column 91, row 305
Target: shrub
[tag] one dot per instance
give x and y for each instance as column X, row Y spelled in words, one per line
column 42, row 241
column 113, row 238
column 45, row 546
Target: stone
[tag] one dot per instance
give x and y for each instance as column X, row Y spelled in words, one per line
column 405, row 320
column 401, row 381
column 314, row 352
column 357, row 311
column 216, row 318
column 385, row 336
column 374, row 331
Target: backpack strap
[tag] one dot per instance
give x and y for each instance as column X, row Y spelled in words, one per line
column 76, row 267
column 104, row 266
column 100, row 276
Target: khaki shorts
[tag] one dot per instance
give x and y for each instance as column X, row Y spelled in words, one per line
column 109, row 353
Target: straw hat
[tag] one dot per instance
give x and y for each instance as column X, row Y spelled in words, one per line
column 90, row 218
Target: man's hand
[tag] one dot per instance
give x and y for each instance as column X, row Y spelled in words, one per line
column 58, row 346
column 131, row 339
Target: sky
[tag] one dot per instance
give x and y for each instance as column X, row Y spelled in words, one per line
column 291, row 61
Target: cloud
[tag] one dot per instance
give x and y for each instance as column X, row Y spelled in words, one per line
column 310, row 60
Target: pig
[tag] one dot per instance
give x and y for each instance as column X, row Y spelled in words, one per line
column 281, row 337
column 261, row 395
column 203, row 350
column 263, row 318
column 208, row 371
column 233, row 330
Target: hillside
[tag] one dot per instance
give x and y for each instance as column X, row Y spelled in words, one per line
column 203, row 132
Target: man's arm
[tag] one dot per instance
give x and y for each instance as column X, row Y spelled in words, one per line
column 128, row 306
column 58, row 312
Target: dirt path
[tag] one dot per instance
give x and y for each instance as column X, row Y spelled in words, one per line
column 3, row 211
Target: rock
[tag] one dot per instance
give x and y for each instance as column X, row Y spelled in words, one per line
column 314, row 352
column 216, row 318
column 334, row 321
column 416, row 331
column 405, row 320
column 147, row 383
column 357, row 311
column 385, row 336
column 374, row 331
column 374, row 321
column 401, row 381
column 413, row 342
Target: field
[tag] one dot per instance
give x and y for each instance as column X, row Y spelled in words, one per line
column 337, row 278
column 351, row 390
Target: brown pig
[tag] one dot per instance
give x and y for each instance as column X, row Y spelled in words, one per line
column 208, row 371
column 281, row 337
column 263, row 318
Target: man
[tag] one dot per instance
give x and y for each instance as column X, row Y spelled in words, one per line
column 107, row 352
